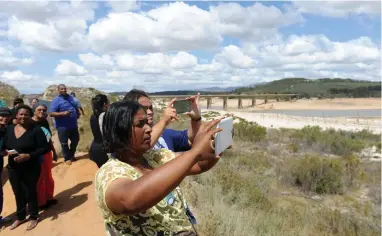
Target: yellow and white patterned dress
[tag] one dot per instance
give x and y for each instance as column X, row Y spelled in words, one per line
column 165, row 218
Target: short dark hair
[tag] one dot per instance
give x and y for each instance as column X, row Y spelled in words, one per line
column 40, row 104
column 134, row 95
column 18, row 101
column 98, row 102
column 35, row 99
column 61, row 85
column 24, row 107
column 117, row 126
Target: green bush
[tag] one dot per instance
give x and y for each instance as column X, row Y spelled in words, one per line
column 335, row 142
column 249, row 131
column 318, row 174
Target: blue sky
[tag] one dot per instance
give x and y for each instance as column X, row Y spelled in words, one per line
column 186, row 45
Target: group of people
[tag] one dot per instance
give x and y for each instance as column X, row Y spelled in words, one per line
column 141, row 162
column 25, row 137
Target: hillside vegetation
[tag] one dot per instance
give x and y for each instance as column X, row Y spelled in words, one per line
column 8, row 93
column 289, row 182
column 318, row 88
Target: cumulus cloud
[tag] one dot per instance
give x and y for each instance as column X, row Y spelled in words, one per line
column 172, row 27
column 253, row 22
column 92, row 61
column 8, row 60
column 51, row 26
column 235, row 57
column 69, row 68
column 178, row 45
column 339, row 8
column 156, row 63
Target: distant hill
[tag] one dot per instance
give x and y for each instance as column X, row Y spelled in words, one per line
column 318, row 88
column 8, row 93
column 211, row 90
column 81, row 93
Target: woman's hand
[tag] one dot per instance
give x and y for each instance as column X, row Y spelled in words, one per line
column 202, row 140
column 169, row 113
column 195, row 112
column 22, row 158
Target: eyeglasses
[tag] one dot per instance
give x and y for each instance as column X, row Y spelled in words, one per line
column 43, row 110
column 148, row 107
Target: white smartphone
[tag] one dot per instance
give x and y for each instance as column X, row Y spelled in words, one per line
column 223, row 139
column 12, row 152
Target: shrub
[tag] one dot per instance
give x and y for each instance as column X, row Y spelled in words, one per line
column 318, row 174
column 249, row 131
column 335, row 142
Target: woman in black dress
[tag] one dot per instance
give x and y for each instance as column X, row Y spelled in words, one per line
column 29, row 143
column 97, row 153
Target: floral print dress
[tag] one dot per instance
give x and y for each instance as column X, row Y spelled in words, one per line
column 165, row 218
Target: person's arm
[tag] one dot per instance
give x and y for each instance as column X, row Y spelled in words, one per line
column 82, row 110
column 129, row 197
column 168, row 115
column 54, row 110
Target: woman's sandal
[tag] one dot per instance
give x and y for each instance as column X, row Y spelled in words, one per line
column 32, row 224
column 17, row 223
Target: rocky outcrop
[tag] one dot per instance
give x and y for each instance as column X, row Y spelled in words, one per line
column 81, row 93
column 8, row 93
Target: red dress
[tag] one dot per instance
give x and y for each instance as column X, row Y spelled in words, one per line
column 45, row 185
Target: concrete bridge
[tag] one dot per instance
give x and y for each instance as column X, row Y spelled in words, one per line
column 225, row 98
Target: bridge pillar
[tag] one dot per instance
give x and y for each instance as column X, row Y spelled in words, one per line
column 253, row 101
column 225, row 103
column 239, row 103
column 277, row 99
column 209, row 101
column 266, row 100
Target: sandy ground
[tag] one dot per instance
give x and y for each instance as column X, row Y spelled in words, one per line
column 302, row 104
column 270, row 120
column 76, row 214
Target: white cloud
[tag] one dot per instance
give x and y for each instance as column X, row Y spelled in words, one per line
column 253, row 22
column 15, row 76
column 123, row 6
column 171, row 27
column 69, row 68
column 339, row 8
column 8, row 60
column 156, row 63
column 51, row 26
column 92, row 61
column 235, row 57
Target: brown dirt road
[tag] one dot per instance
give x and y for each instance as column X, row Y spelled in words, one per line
column 76, row 214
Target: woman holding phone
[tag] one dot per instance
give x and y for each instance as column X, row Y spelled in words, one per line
column 138, row 190
column 25, row 144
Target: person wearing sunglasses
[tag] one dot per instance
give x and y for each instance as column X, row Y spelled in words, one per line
column 45, row 185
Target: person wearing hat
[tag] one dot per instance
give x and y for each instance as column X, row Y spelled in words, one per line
column 5, row 114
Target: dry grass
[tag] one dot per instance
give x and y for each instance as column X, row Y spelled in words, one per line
column 268, row 186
